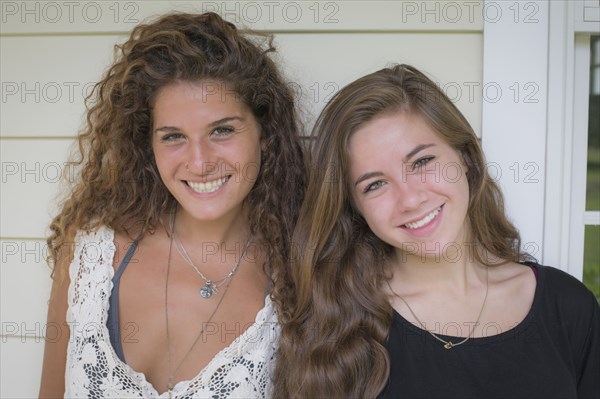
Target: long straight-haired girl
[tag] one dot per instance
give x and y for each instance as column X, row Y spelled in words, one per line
column 409, row 278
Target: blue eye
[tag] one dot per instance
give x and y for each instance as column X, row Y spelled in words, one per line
column 373, row 186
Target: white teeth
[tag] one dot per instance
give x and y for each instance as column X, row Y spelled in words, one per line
column 424, row 221
column 207, row 187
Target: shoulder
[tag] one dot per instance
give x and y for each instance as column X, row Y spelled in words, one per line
column 516, row 275
column 515, row 279
column 90, row 273
column 92, row 248
column 560, row 284
column 97, row 234
column 566, row 297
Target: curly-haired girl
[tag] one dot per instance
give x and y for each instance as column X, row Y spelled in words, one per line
column 169, row 252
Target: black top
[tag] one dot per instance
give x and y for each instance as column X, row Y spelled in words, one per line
column 553, row 353
column 112, row 321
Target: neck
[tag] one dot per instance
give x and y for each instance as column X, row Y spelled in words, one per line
column 229, row 229
column 455, row 267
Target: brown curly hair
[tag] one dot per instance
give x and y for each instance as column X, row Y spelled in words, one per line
column 119, row 184
column 333, row 340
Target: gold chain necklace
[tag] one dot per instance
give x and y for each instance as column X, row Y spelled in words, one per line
column 449, row 344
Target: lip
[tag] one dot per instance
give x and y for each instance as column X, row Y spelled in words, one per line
column 204, row 188
column 427, row 228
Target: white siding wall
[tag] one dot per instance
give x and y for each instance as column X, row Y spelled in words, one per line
column 52, row 51
column 515, row 109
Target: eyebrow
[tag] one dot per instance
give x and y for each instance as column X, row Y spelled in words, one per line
column 173, row 129
column 227, row 119
column 416, row 150
column 407, row 158
column 367, row 176
column 167, row 129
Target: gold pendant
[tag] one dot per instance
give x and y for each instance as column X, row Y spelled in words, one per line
column 448, row 345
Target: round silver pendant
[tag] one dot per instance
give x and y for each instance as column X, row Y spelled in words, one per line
column 206, row 291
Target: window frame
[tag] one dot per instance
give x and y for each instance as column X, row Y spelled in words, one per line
column 571, row 26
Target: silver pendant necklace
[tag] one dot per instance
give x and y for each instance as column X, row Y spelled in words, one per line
column 210, row 287
column 172, row 372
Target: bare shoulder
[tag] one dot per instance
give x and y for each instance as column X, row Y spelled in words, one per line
column 512, row 270
column 511, row 294
column 514, row 279
column 123, row 243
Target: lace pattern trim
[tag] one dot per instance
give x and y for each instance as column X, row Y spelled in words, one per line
column 242, row 369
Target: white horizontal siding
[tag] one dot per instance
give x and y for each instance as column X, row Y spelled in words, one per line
column 337, row 59
column 44, row 81
column 30, row 184
column 24, row 281
column 48, row 101
column 38, row 17
column 20, row 367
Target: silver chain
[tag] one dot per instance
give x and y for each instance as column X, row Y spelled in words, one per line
column 210, row 287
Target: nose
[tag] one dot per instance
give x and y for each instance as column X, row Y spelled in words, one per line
column 410, row 194
column 200, row 159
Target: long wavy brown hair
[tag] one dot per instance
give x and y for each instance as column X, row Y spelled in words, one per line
column 119, row 184
column 334, row 334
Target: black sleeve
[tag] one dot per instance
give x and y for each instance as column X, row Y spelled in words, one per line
column 589, row 367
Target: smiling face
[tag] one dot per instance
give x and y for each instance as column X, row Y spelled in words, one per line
column 408, row 184
column 206, row 144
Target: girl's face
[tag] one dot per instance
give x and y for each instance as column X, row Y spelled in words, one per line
column 409, row 185
column 206, row 144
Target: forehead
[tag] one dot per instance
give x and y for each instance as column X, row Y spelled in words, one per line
column 201, row 94
column 397, row 133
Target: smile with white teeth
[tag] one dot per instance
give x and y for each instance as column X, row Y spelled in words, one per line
column 424, row 221
column 208, row 187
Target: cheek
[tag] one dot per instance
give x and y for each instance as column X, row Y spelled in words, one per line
column 355, row 202
column 451, row 179
column 375, row 216
column 454, row 173
column 162, row 164
column 250, row 172
column 460, row 184
column 250, row 167
column 258, row 158
column 159, row 160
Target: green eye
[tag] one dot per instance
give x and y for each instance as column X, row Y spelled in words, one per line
column 421, row 162
column 373, row 186
column 170, row 137
column 223, row 131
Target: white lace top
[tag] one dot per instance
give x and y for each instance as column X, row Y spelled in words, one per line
column 242, row 370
